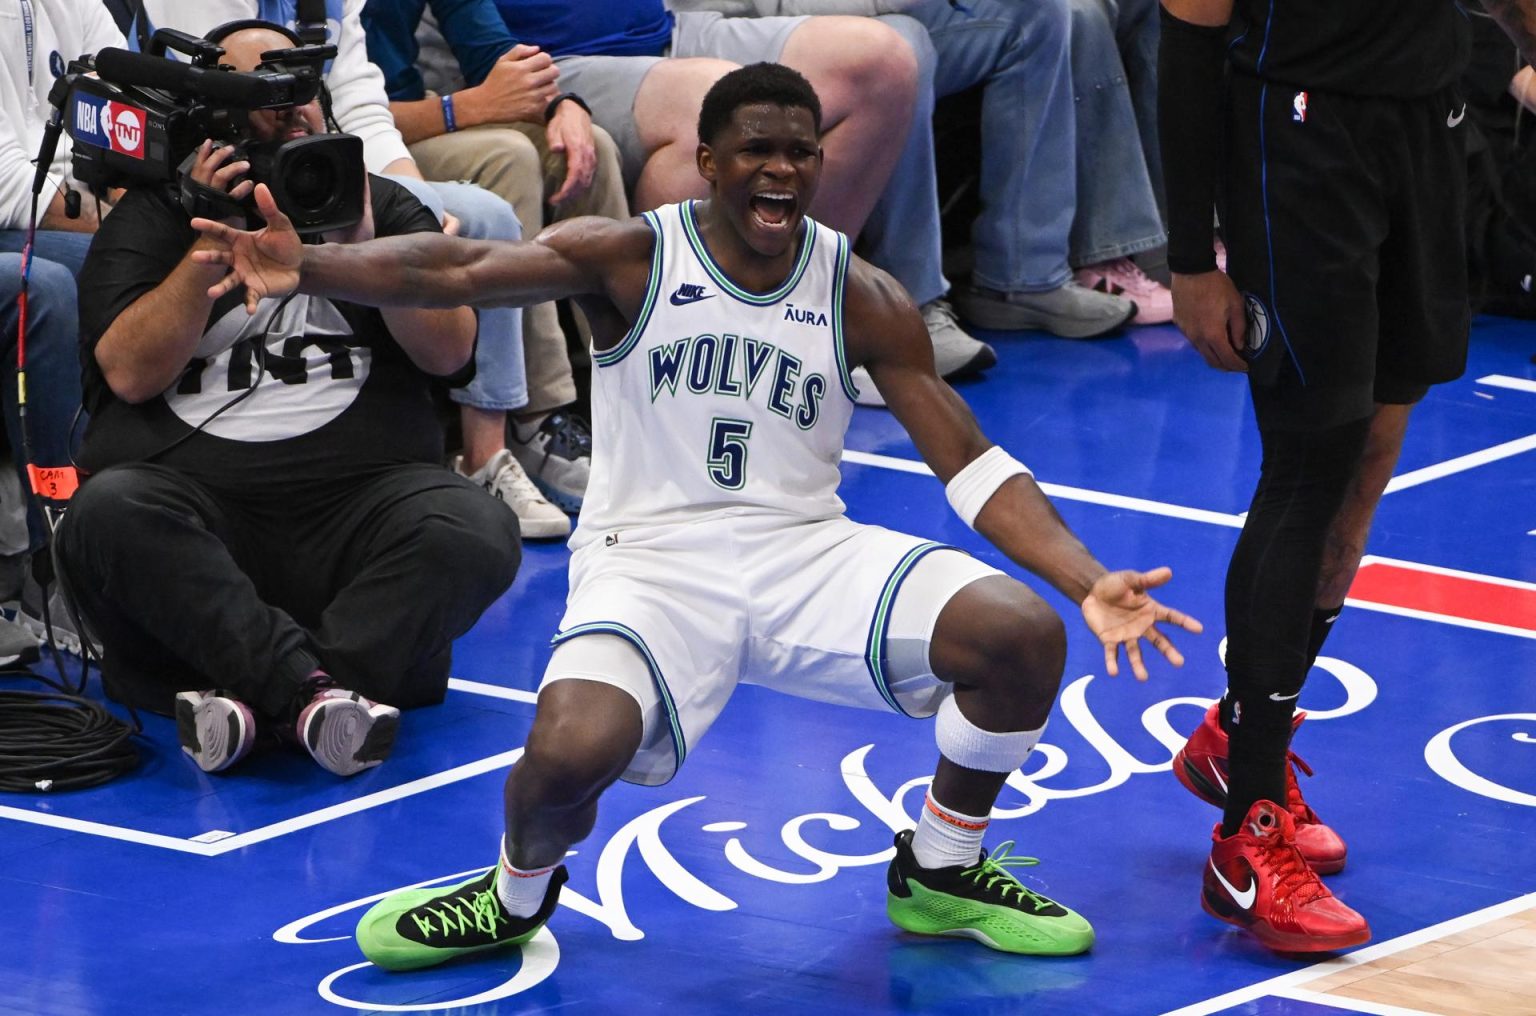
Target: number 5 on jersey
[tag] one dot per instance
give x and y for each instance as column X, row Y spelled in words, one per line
column 728, row 452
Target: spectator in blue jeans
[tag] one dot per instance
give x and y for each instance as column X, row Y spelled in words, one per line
column 35, row 45
column 1022, row 57
column 1119, row 169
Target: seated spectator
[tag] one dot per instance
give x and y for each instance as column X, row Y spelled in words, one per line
column 58, row 30
column 517, row 135
column 1119, row 168
column 1019, row 55
column 359, row 106
column 53, row 392
column 265, row 511
column 643, row 70
column 1500, row 92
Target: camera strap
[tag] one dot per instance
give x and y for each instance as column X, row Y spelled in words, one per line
column 201, row 201
column 27, row 27
column 310, row 21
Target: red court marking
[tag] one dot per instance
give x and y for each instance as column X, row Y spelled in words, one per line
column 1463, row 596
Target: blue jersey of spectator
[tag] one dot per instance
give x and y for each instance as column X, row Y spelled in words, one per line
column 589, row 27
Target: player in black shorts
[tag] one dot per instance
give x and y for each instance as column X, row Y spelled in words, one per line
column 1328, row 134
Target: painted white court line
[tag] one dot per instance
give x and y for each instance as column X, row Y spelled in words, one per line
column 1066, row 493
column 1345, row 1004
column 1287, row 982
column 1518, row 384
column 212, row 844
column 1462, row 463
column 492, row 690
column 1425, row 615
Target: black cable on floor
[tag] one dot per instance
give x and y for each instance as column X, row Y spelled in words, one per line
column 53, row 740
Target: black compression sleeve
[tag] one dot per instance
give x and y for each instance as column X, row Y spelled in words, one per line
column 1190, row 60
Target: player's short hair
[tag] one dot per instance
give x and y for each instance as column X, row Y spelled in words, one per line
column 760, row 83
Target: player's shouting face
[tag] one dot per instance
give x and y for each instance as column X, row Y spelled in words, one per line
column 763, row 168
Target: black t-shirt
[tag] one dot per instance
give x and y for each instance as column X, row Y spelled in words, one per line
column 1402, row 48
column 307, row 394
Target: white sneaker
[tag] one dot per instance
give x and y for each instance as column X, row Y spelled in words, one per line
column 346, row 733
column 506, row 481
column 216, row 729
column 557, row 457
column 956, row 352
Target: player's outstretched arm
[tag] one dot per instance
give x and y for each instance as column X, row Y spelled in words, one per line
column 885, row 333
column 419, row 270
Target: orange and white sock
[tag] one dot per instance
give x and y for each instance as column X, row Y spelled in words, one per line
column 945, row 837
column 521, row 891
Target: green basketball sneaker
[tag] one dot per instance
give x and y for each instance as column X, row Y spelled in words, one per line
column 422, row 927
column 983, row 901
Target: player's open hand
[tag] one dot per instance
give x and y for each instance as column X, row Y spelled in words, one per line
column 266, row 261
column 1120, row 613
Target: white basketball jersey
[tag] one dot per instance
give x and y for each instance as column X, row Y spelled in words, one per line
column 721, row 400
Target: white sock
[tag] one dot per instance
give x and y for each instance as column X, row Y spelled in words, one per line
column 521, row 892
column 945, row 838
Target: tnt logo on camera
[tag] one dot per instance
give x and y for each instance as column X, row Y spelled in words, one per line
column 115, row 126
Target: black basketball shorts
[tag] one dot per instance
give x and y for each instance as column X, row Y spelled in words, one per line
column 1343, row 219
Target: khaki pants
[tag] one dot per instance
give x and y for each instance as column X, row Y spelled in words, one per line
column 514, row 162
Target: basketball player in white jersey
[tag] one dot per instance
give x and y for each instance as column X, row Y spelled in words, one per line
column 712, row 547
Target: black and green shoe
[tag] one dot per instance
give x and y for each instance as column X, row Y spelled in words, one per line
column 422, row 927
column 983, row 901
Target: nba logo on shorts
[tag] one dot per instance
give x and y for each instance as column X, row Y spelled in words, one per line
column 1299, row 107
column 1258, row 325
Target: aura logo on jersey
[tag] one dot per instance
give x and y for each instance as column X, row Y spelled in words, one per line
column 740, row 366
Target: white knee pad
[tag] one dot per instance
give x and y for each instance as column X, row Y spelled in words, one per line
column 965, row 744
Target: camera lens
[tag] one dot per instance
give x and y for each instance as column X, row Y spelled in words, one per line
column 312, row 181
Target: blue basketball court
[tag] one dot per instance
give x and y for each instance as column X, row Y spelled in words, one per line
column 755, row 881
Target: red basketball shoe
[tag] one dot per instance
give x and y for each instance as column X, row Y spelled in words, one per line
column 1258, row 880
column 1201, row 765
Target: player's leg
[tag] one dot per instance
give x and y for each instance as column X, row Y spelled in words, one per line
column 586, row 731
column 1305, row 257
column 1001, row 649
column 1347, row 534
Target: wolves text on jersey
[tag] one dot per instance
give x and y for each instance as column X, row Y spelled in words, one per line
column 741, row 366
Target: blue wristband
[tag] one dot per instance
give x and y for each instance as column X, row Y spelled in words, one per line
column 448, row 119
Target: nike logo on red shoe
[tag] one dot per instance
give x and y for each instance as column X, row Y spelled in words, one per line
column 1242, row 897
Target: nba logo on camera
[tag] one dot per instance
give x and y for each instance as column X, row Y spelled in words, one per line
column 1299, row 107
column 115, row 126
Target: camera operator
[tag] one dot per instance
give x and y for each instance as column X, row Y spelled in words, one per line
column 360, row 107
column 37, row 38
column 266, row 512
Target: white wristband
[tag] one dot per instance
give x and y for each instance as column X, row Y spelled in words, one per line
column 974, row 485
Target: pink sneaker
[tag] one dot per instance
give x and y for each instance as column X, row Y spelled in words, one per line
column 345, row 732
column 1121, row 277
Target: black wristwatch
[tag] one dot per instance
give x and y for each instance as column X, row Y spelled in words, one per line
column 549, row 111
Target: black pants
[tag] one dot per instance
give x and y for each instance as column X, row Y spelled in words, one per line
column 190, row 589
column 1343, row 218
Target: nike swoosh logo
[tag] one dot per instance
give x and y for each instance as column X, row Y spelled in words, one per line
column 1216, row 772
column 1452, row 119
column 679, row 301
column 1277, row 697
column 1242, row 898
